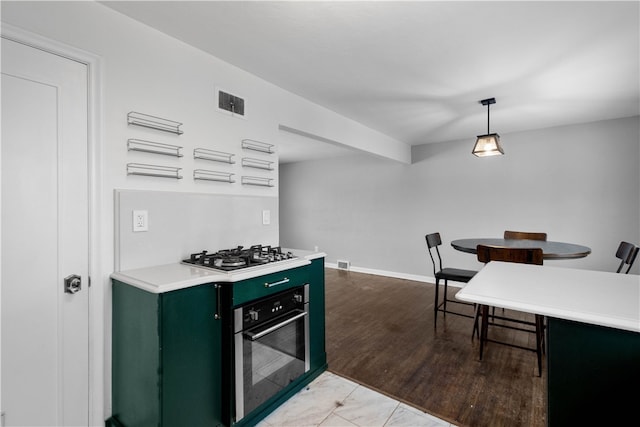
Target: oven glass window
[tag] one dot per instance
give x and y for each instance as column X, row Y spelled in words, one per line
column 272, row 361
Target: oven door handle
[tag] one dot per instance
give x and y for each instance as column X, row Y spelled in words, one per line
column 254, row 336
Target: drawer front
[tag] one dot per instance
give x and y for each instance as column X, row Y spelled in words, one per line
column 258, row 287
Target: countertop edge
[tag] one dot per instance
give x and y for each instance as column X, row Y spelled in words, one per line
column 500, row 284
column 599, row 320
column 199, row 276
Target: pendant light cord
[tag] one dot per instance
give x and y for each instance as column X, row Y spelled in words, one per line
column 488, row 107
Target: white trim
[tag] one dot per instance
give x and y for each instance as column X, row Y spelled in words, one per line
column 94, row 163
column 394, row 274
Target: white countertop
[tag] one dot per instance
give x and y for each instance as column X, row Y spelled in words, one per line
column 170, row 277
column 595, row 297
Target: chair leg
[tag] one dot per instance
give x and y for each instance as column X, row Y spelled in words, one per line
column 444, row 302
column 476, row 327
column 435, row 306
column 484, row 328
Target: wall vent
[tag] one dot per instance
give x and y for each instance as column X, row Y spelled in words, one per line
column 231, row 103
column 343, row 265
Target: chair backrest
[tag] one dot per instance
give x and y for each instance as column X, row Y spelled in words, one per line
column 627, row 253
column 520, row 255
column 433, row 241
column 632, row 258
column 520, row 235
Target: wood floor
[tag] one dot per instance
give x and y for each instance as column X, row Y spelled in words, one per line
column 380, row 333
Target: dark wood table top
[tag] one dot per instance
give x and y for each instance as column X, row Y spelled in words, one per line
column 550, row 250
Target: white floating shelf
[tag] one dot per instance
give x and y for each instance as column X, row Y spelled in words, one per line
column 153, row 170
column 153, row 147
column 256, row 180
column 263, row 147
column 153, row 122
column 257, row 163
column 207, row 175
column 213, row 155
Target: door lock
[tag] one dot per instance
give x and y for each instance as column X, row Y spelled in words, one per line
column 72, row 284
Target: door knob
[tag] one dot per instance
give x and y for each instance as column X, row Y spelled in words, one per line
column 72, row 284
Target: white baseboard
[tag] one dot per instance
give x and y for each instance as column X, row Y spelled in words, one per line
column 393, row 274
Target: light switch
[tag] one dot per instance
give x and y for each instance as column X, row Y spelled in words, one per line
column 266, row 217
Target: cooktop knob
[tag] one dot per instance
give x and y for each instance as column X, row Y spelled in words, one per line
column 253, row 315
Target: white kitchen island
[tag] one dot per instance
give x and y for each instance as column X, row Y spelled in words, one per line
column 593, row 335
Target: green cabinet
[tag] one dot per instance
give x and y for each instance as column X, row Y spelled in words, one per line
column 166, row 365
column 593, row 374
column 169, row 350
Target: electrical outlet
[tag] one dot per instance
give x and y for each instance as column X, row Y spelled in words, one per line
column 266, row 217
column 140, row 221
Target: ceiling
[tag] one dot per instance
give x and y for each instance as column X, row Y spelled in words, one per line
column 416, row 70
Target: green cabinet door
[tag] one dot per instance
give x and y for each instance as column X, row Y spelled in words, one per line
column 593, row 374
column 166, row 357
column 318, row 353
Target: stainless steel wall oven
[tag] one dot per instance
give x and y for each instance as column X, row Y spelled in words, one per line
column 271, row 343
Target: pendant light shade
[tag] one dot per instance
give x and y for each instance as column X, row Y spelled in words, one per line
column 488, row 144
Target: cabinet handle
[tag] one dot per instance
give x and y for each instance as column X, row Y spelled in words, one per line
column 279, row 282
column 217, row 314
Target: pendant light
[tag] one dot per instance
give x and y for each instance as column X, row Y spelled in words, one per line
column 488, row 144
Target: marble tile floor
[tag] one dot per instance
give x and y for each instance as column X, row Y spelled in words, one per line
column 331, row 400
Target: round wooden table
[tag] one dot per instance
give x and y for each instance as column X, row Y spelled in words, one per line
column 550, row 250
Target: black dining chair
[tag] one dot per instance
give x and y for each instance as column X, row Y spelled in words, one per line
column 518, row 255
column 446, row 274
column 627, row 253
column 526, row 235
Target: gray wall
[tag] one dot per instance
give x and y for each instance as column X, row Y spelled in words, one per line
column 184, row 223
column 579, row 183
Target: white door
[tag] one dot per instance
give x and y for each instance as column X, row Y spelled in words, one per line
column 44, row 330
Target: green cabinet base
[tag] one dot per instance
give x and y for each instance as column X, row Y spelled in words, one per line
column 593, row 374
column 167, row 352
column 165, row 357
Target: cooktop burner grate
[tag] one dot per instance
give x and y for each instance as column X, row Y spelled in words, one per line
column 239, row 257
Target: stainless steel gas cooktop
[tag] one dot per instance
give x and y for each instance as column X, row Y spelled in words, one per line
column 239, row 258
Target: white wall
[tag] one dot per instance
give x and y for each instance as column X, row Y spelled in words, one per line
column 579, row 184
column 146, row 71
column 186, row 223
